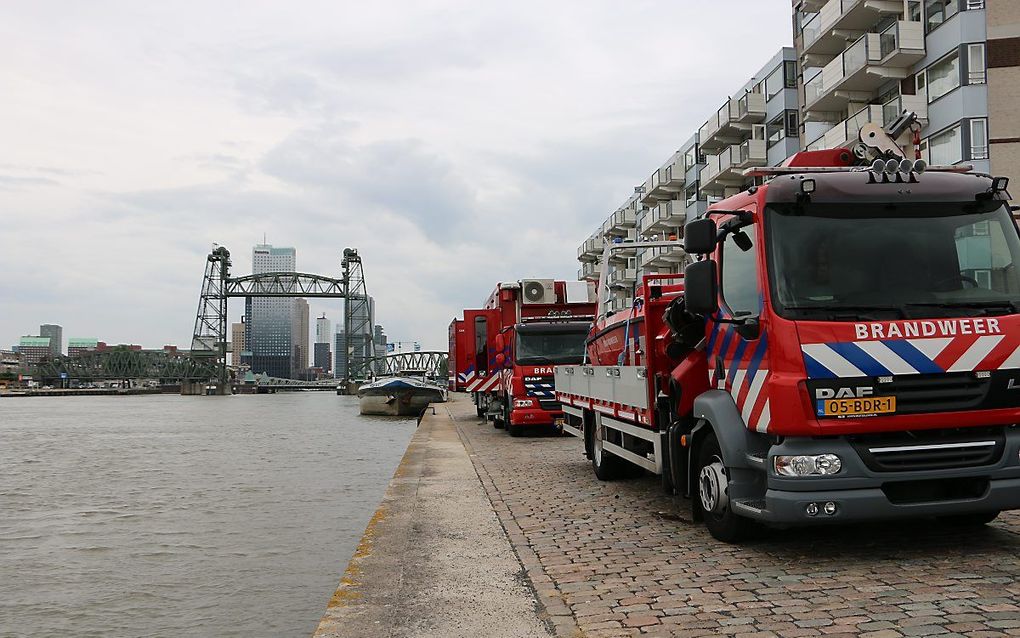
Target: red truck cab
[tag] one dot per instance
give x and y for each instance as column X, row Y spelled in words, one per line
column 845, row 347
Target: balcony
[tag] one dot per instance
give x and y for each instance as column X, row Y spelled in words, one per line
column 664, row 219
column 622, row 277
column 591, row 249
column 722, row 129
column 894, row 107
column 589, row 270
column 622, row 254
column 623, row 219
column 726, row 168
column 751, row 109
column 838, row 21
column 870, row 62
column 848, row 129
column 663, row 256
column 666, row 182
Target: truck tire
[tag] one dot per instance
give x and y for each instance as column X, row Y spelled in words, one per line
column 607, row 466
column 497, row 420
column 514, row 430
column 712, row 495
column 970, row 520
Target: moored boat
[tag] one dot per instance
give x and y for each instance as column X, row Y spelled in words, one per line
column 399, row 396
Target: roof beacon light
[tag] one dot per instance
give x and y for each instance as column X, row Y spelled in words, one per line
column 906, row 165
column 999, row 184
column 920, row 166
column 892, row 166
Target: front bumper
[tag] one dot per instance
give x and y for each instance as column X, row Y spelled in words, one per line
column 534, row 416
column 861, row 494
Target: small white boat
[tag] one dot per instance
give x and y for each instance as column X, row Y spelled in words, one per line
column 399, row 396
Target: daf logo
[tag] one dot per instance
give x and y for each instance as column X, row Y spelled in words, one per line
column 844, row 393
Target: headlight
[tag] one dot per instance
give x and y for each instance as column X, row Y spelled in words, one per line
column 807, row 465
column 524, row 403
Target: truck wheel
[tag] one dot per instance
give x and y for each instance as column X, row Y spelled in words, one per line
column 713, row 495
column 970, row 520
column 497, row 420
column 514, row 430
column 607, row 466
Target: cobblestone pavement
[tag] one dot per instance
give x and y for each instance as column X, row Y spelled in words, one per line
column 614, row 559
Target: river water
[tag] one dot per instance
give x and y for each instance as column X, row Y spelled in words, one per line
column 184, row 516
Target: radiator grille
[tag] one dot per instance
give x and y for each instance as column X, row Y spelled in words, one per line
column 934, row 450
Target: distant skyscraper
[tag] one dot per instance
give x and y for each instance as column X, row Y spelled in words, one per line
column 56, row 335
column 323, row 329
column 379, row 342
column 237, row 342
column 322, row 351
column 269, row 329
column 339, row 354
column 299, row 330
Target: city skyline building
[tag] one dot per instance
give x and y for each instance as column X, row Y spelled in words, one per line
column 77, row 346
column 322, row 350
column 300, row 327
column 33, row 349
column 237, row 342
column 56, row 335
column 269, row 321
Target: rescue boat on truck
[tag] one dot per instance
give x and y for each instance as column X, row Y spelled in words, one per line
column 845, row 348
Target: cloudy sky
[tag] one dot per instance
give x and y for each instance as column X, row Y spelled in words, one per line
column 454, row 143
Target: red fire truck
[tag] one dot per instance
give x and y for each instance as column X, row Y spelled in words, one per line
column 846, row 348
column 506, row 351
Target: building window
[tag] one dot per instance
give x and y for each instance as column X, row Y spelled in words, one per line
column 976, row 64
column 690, row 159
column 983, row 279
column 938, row 11
column 790, row 73
column 776, row 130
column 774, row 83
column 792, row 123
column 946, row 147
column 943, row 76
column 979, row 139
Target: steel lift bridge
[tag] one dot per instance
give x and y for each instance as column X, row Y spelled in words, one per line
column 209, row 341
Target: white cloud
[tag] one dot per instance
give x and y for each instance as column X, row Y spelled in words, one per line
column 455, row 144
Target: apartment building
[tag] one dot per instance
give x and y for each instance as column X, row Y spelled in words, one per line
column 757, row 125
column 869, row 60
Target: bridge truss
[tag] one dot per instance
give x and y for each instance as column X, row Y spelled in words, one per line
column 433, row 363
column 124, row 364
column 209, row 340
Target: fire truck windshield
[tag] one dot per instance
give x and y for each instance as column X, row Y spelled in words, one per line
column 536, row 347
column 879, row 261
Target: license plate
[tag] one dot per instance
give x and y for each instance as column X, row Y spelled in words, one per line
column 857, row 407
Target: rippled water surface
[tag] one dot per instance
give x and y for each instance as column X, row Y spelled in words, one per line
column 183, row 516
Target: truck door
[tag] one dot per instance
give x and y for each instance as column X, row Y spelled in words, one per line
column 482, row 327
column 739, row 364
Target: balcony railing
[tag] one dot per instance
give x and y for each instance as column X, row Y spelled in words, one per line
column 751, row 107
column 825, row 33
column 843, row 65
column 717, row 125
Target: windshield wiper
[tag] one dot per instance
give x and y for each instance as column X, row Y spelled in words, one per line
column 1005, row 305
column 850, row 310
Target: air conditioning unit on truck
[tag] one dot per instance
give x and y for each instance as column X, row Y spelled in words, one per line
column 507, row 350
column 846, row 348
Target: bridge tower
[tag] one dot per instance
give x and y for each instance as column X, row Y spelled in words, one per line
column 210, row 336
column 358, row 316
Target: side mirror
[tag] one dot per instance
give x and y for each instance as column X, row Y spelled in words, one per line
column 500, row 359
column 500, row 342
column 700, row 236
column 701, row 288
